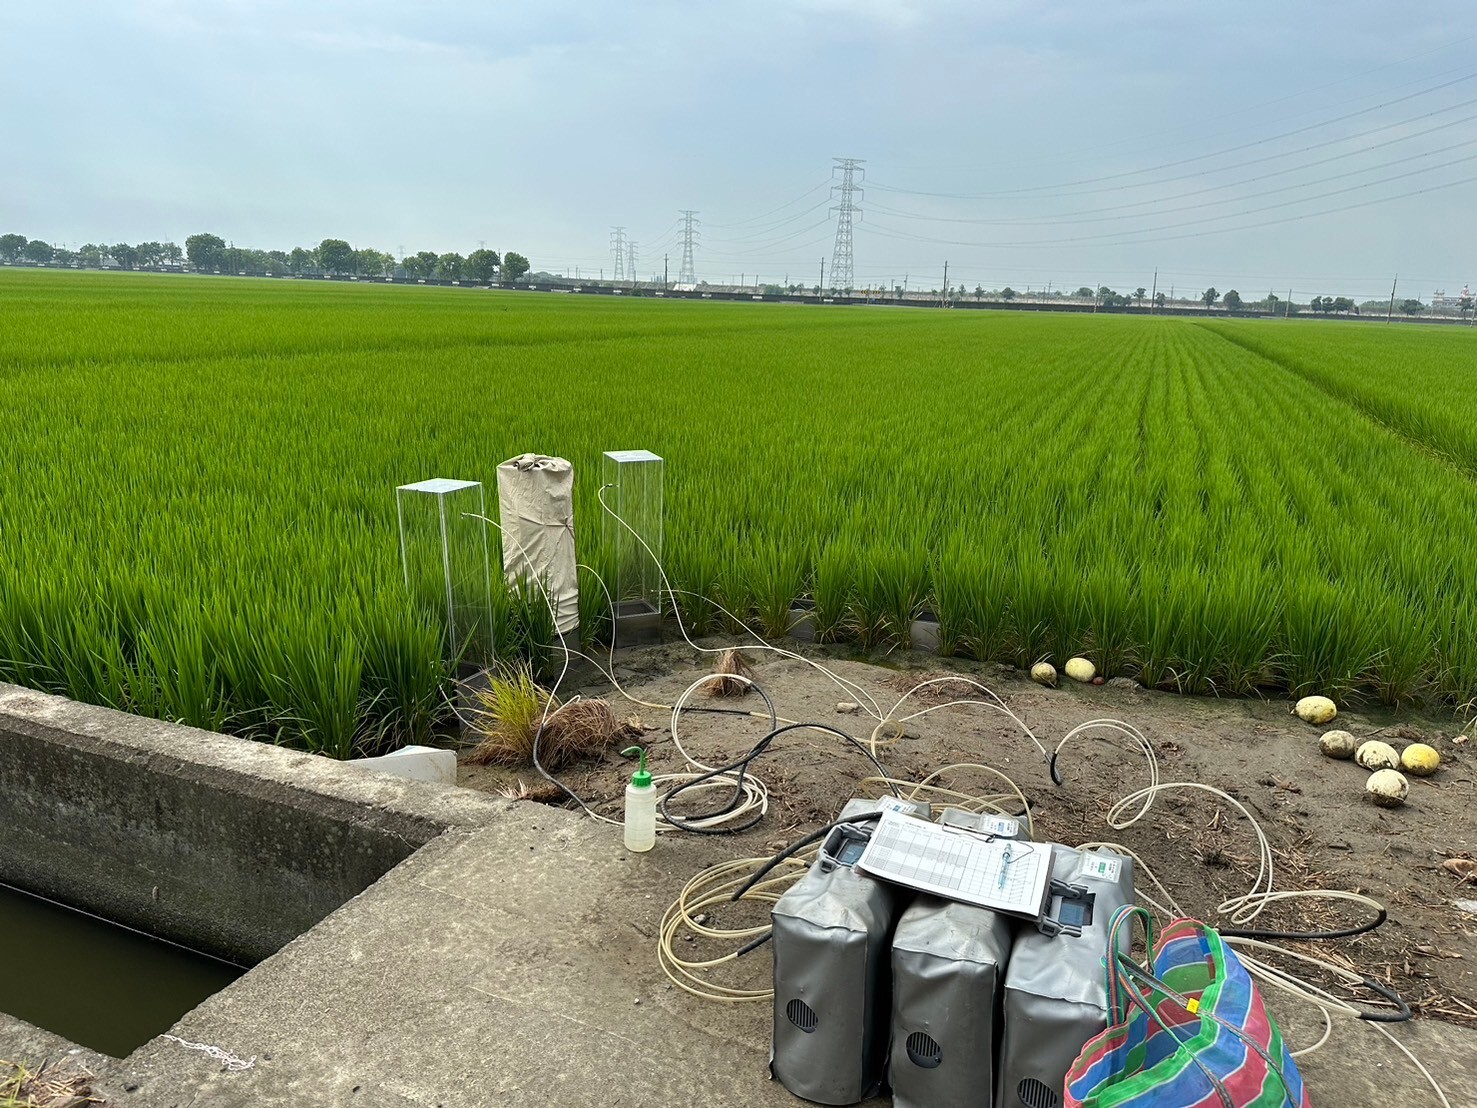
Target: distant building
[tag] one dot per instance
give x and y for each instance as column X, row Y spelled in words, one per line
column 1441, row 302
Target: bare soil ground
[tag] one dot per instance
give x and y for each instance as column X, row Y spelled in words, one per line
column 1323, row 832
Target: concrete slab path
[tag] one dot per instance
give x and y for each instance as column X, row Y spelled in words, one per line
column 515, row 965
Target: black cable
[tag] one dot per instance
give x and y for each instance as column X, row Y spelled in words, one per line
column 738, row 785
column 549, row 777
column 799, row 845
column 1393, row 997
column 1344, row 933
column 543, row 722
column 567, row 791
column 755, row 944
column 741, row 766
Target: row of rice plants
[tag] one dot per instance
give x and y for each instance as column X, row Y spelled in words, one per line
column 1394, row 374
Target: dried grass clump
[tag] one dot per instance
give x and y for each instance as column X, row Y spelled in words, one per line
column 511, row 708
column 48, row 1087
column 540, row 793
column 730, row 665
column 584, row 729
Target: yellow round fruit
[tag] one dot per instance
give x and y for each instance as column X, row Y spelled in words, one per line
column 1387, row 788
column 1316, row 709
column 1420, row 759
column 1080, row 669
column 1043, row 673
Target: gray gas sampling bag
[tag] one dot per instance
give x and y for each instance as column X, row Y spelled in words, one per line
column 1055, row 996
column 948, row 965
column 832, row 992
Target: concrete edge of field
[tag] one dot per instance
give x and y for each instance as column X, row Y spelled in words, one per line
column 230, row 846
column 506, row 957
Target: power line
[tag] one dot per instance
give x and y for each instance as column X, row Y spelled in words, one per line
column 1245, row 111
column 824, row 185
column 1127, row 238
column 1110, row 215
column 849, row 191
column 769, row 228
column 773, row 244
column 1206, row 157
column 687, row 274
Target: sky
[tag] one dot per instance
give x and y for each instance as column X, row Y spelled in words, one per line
column 1318, row 147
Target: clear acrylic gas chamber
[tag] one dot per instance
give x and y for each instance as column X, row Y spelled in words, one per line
column 444, row 553
column 632, row 489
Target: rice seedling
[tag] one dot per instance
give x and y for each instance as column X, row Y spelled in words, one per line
column 776, row 578
column 871, row 616
column 831, row 594
column 510, row 709
column 696, row 566
column 507, row 713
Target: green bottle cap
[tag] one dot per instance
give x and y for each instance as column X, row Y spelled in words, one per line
column 641, row 779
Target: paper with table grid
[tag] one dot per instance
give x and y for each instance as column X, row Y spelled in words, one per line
column 959, row 866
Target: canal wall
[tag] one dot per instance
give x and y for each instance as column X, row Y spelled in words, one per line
column 226, row 845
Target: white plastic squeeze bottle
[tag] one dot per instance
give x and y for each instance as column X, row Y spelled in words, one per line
column 640, row 806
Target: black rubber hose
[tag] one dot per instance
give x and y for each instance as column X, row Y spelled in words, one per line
column 567, row 791
column 799, row 845
column 738, row 786
column 1294, row 936
column 740, row 768
column 1393, row 997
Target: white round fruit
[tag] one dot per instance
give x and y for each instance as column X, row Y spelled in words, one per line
column 1316, row 709
column 1080, row 669
column 1377, row 755
column 1387, row 788
column 1043, row 673
column 1337, row 744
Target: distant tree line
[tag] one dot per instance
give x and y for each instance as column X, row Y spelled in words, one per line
column 145, row 255
column 207, row 253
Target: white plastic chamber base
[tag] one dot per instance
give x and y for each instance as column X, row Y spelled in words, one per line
column 419, row 763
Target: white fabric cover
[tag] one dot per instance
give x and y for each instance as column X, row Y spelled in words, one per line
column 535, row 497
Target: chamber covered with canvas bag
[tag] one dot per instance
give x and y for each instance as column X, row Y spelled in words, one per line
column 536, row 504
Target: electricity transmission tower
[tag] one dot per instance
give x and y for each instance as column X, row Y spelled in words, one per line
column 687, row 275
column 848, row 192
column 618, row 247
column 631, row 261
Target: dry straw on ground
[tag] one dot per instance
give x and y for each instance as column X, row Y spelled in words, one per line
column 731, row 665
column 51, row 1086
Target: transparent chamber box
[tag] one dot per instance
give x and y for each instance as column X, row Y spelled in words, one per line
column 445, row 555
column 631, row 483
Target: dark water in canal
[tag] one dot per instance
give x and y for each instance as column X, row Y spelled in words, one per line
column 98, row 984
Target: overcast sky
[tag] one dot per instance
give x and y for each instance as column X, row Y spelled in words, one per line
column 1068, row 140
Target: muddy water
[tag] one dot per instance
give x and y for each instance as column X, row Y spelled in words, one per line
column 98, row 984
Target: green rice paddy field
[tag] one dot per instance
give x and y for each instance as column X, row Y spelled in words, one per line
column 199, row 519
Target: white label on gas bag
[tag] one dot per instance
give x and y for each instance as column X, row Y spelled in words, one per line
column 1000, row 826
column 1101, row 867
column 898, row 804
